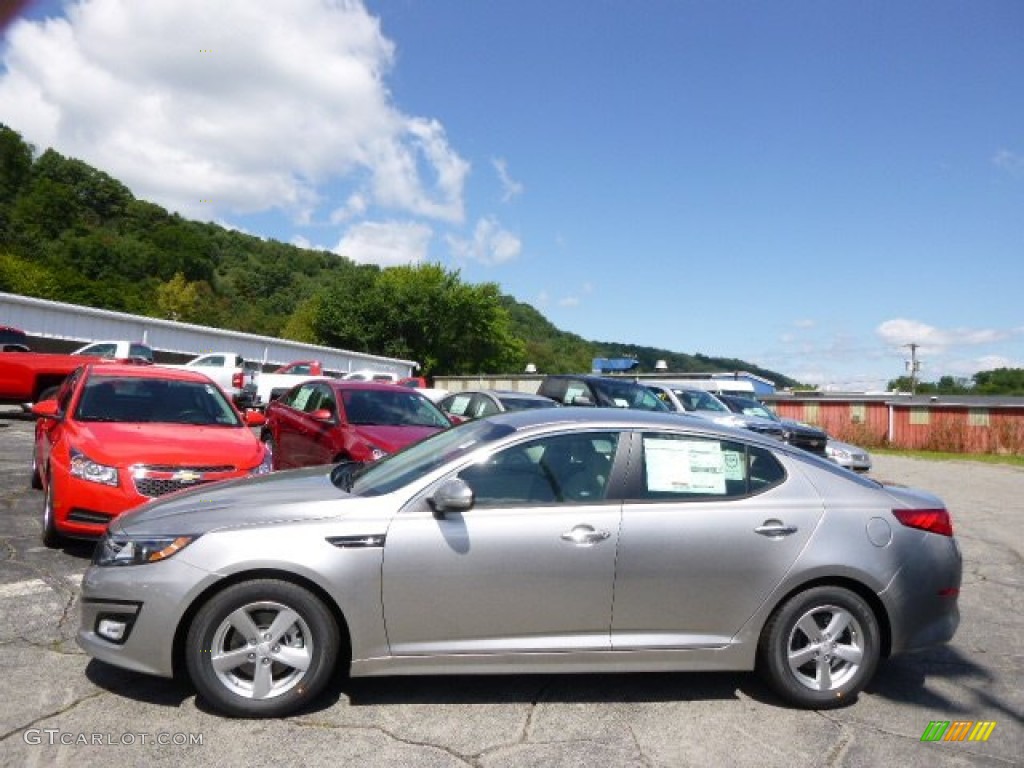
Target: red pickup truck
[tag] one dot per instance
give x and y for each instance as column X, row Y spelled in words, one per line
column 28, row 377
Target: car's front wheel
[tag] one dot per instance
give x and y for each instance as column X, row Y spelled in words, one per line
column 51, row 536
column 262, row 648
column 820, row 648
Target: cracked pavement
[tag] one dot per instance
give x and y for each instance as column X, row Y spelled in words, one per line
column 61, row 708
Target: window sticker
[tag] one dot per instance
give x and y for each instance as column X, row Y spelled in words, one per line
column 685, row 466
column 733, row 465
column 572, row 391
column 301, row 398
column 458, row 406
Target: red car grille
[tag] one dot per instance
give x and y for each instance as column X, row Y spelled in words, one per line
column 158, row 480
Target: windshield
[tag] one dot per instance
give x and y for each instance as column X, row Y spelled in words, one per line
column 398, row 407
column 412, row 463
column 698, row 400
column 754, row 408
column 134, row 400
column 625, row 394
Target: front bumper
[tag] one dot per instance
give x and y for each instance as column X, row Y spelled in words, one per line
column 149, row 601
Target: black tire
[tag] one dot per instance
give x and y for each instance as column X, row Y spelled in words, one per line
column 51, row 537
column 37, row 479
column 311, row 639
column 271, row 445
column 820, row 648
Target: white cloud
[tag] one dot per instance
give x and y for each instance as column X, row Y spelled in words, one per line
column 510, row 188
column 249, row 103
column 387, row 244
column 901, row 332
column 569, row 301
column 491, row 244
column 1009, row 161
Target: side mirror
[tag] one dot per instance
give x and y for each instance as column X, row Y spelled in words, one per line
column 455, row 495
column 46, row 409
column 322, row 415
column 254, row 418
column 582, row 400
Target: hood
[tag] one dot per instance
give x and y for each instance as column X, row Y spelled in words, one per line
column 127, row 444
column 393, row 438
column 292, row 495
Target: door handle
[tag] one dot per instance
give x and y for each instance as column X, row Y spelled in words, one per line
column 585, row 536
column 775, row 529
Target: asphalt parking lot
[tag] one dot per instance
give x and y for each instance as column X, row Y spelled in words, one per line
column 61, row 708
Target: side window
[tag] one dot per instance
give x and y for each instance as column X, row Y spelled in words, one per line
column 324, row 400
column 458, row 405
column 101, row 350
column 577, row 393
column 559, row 469
column 66, row 390
column 483, row 406
column 679, row 467
column 300, row 397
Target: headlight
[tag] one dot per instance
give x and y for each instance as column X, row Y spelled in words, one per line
column 85, row 468
column 266, row 465
column 138, row 550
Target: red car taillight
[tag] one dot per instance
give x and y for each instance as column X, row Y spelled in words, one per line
column 932, row 520
column 238, row 380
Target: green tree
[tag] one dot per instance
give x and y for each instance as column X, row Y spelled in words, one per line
column 1001, row 381
column 177, row 298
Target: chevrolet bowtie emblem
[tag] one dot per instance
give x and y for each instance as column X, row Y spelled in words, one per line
column 186, row 476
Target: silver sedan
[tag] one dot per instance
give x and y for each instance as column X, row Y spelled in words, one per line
column 556, row 540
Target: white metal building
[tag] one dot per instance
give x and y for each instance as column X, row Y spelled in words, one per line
column 44, row 319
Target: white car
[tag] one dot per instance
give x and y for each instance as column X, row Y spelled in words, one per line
column 849, row 456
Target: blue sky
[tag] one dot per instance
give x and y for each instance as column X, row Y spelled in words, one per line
column 807, row 186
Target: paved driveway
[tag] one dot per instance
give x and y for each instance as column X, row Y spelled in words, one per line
column 60, row 708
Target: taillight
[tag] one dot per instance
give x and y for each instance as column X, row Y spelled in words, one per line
column 238, row 380
column 932, row 520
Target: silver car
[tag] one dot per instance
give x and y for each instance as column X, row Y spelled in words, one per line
column 552, row 540
column 847, row 455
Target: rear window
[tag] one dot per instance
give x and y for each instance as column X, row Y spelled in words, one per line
column 141, row 351
column 10, row 335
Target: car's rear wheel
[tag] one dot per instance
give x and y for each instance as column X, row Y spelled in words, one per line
column 262, row 648
column 820, row 648
column 51, row 537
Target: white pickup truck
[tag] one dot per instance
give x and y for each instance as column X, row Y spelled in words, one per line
column 234, row 374
column 117, row 350
column 272, row 385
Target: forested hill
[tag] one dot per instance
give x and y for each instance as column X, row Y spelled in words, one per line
column 70, row 232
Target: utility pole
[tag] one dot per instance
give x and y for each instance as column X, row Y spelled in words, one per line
column 913, row 365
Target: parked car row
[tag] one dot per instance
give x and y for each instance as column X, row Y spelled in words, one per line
column 116, row 435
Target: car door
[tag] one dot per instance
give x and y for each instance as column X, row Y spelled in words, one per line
column 710, row 527
column 300, row 438
column 529, row 568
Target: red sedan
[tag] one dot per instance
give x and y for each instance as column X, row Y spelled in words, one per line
column 119, row 435
column 322, row 422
